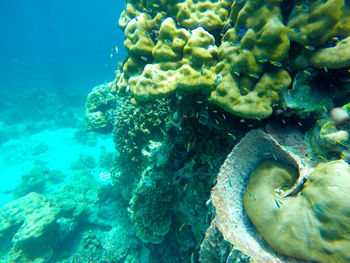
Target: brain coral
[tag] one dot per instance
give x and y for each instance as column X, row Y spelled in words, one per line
column 240, row 54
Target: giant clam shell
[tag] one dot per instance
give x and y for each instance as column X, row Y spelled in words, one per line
column 227, row 196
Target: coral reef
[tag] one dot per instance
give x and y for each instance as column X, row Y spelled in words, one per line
column 312, row 225
column 227, row 196
column 79, row 221
column 329, row 138
column 150, row 205
column 31, row 221
column 198, row 76
column 136, row 132
column 239, row 53
column 99, row 115
column 37, row 180
column 288, row 200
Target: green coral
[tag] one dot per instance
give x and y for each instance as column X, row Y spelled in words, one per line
column 98, row 112
column 150, row 207
column 312, row 225
column 31, row 222
column 327, row 141
column 241, row 54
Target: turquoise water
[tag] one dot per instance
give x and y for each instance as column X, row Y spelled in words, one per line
column 52, row 53
column 146, row 131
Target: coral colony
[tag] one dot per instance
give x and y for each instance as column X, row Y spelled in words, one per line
column 230, row 121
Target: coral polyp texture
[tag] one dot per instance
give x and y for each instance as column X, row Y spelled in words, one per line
column 32, row 222
column 313, row 225
column 240, row 54
column 199, row 74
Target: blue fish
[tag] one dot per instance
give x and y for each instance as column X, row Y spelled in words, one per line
column 242, row 31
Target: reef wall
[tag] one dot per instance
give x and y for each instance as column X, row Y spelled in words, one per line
column 198, row 76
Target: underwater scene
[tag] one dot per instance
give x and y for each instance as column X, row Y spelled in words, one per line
column 175, row 131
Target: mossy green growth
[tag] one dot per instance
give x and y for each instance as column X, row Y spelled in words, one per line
column 313, row 224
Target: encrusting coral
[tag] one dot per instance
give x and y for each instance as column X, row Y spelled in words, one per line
column 32, row 222
column 236, row 52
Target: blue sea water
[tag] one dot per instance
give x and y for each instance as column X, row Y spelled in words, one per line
column 63, row 46
column 52, row 53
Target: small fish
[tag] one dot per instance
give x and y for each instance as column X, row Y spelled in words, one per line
column 336, row 39
column 274, row 157
column 254, row 75
column 192, row 258
column 218, row 79
column 168, row 42
column 199, row 101
column 307, row 72
column 277, row 204
column 155, row 5
column 276, row 63
column 262, row 60
column 185, row 187
column 144, row 58
column 295, row 30
column 210, row 165
column 223, row 115
column 202, row 69
column 242, row 31
column 236, row 73
column 182, row 226
column 311, row 48
column 147, row 10
column 163, row 132
column 130, row 210
column 188, row 146
column 233, row 137
column 300, row 124
column 325, row 69
column 303, row 8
